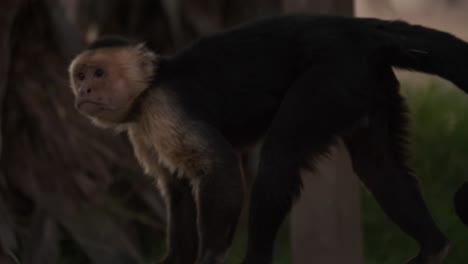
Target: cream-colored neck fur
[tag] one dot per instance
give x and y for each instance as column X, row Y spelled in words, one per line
column 164, row 135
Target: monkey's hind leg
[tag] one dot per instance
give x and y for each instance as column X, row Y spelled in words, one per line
column 378, row 154
column 305, row 127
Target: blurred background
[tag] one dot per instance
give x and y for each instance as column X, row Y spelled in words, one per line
column 70, row 193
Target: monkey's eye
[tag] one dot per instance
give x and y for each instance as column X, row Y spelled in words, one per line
column 81, row 76
column 98, row 73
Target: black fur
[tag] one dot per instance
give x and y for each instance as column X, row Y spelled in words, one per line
column 461, row 203
column 301, row 82
column 109, row 42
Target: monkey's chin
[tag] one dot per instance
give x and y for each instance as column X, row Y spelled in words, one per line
column 103, row 116
column 90, row 108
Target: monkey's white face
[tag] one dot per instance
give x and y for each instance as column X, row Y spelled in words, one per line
column 106, row 81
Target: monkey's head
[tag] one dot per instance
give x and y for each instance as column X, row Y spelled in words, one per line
column 108, row 77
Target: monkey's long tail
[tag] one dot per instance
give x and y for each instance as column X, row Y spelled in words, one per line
column 426, row 50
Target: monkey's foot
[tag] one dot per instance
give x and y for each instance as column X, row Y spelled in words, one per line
column 433, row 258
column 210, row 258
column 166, row 261
column 174, row 260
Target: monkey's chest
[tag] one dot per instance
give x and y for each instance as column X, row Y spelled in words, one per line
column 179, row 153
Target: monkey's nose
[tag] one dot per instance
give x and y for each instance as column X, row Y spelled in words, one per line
column 85, row 91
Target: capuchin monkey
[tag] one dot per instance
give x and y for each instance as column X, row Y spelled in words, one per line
column 299, row 83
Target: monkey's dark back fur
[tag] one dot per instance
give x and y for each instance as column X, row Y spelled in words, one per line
column 241, row 75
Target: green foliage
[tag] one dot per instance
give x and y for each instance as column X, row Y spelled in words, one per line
column 439, row 136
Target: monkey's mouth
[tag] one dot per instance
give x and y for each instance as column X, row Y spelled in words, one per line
column 90, row 107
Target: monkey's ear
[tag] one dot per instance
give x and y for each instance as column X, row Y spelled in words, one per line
column 147, row 59
column 145, row 52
